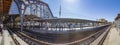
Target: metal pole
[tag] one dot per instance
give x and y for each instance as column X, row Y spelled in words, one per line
column 21, row 21
column 22, row 12
column 21, row 17
column 2, row 11
column 2, row 3
column 60, row 10
column 2, row 7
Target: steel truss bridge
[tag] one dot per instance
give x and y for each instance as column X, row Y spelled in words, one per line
column 34, row 23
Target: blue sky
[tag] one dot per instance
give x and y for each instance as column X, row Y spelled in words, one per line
column 85, row 9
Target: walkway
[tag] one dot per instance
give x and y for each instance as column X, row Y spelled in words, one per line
column 113, row 38
column 0, row 39
column 7, row 40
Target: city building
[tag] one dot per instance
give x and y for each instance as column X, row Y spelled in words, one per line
column 117, row 21
column 102, row 20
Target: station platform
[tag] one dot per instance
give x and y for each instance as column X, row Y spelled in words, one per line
column 113, row 37
column 7, row 39
column 0, row 39
column 21, row 42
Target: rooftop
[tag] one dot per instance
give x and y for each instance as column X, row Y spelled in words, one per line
column 7, row 4
column 117, row 17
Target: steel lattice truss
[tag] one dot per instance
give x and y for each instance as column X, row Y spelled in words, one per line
column 34, row 7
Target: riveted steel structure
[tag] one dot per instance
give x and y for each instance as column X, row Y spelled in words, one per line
column 29, row 7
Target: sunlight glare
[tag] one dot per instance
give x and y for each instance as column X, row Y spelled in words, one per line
column 71, row 1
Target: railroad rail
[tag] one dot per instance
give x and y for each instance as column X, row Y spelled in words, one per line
column 45, row 29
column 84, row 41
column 13, row 36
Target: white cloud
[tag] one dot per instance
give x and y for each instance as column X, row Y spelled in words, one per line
column 71, row 5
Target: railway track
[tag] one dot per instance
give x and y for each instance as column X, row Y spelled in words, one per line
column 14, row 37
column 30, row 40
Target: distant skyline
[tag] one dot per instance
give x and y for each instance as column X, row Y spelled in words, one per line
column 85, row 9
